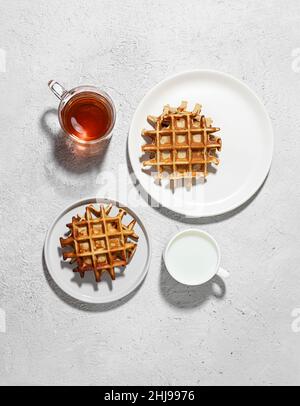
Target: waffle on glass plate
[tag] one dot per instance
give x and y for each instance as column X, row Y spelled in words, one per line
column 99, row 242
column 182, row 144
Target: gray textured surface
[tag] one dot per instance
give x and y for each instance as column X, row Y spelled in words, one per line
column 165, row 334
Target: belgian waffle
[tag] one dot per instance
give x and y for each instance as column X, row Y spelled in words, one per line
column 99, row 242
column 182, row 144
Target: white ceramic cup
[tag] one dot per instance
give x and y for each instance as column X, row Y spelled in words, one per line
column 192, row 257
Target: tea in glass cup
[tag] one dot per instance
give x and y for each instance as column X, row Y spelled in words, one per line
column 86, row 113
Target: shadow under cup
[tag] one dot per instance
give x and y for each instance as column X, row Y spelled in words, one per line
column 87, row 115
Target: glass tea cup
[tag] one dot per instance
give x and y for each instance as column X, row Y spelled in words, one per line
column 86, row 113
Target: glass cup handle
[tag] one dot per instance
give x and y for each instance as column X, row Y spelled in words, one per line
column 57, row 89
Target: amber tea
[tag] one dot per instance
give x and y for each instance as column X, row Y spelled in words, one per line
column 88, row 116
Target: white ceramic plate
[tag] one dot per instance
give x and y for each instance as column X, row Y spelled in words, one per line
column 86, row 289
column 247, row 142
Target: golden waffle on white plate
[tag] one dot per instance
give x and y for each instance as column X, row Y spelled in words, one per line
column 182, row 143
column 98, row 242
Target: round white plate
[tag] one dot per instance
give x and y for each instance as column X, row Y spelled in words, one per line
column 247, row 142
column 86, row 289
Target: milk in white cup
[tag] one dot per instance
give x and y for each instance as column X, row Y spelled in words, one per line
column 192, row 257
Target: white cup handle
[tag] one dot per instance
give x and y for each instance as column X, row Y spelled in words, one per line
column 217, row 288
column 223, row 273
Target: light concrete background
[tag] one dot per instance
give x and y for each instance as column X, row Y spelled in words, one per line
column 164, row 333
